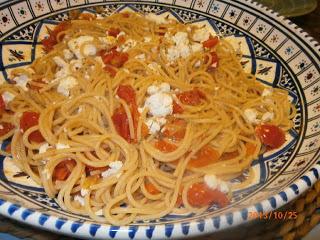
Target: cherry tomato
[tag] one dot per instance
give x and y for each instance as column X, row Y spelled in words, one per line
column 175, row 129
column 192, row 97
column 164, row 146
column 271, row 135
column 205, row 156
column 62, row 171
column 110, row 70
column 211, row 42
column 5, row 128
column 2, row 104
column 214, row 60
column 121, row 123
column 113, row 32
column 28, row 120
column 200, row 195
column 177, row 108
column 151, row 188
column 127, row 93
column 115, row 58
column 52, row 40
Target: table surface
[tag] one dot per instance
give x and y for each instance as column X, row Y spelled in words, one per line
column 9, row 228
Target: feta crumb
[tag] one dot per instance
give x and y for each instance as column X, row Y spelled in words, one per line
column 130, row 43
column 212, row 181
column 44, row 147
column 75, row 44
column 153, row 126
column 79, row 199
column 66, row 84
column 159, row 104
column 223, row 187
column 89, row 50
column 201, row 35
column 152, row 89
column 267, row 92
column 268, row 116
column 164, row 87
column 62, row 146
column 22, row 81
column 113, row 170
column 7, row 97
column 84, row 192
column 181, row 47
column 196, row 47
column 60, row 62
column 147, row 39
column 158, row 19
column 67, row 54
column 197, row 64
column 140, row 57
column 251, row 115
column 76, row 64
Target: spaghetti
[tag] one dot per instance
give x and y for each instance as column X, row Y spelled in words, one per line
column 133, row 117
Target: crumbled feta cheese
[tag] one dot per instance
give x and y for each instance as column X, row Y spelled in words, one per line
column 66, row 84
column 197, row 64
column 212, row 181
column 113, row 170
column 251, row 115
column 89, row 50
column 267, row 116
column 62, row 146
column 7, row 97
column 267, row 92
column 140, row 57
column 155, row 124
column 67, row 54
column 147, row 39
column 164, row 87
column 159, row 104
column 196, row 47
column 84, row 192
column 79, row 199
column 60, row 62
column 43, row 148
column 22, row 81
column 201, row 35
column 76, row 64
column 180, row 38
column 130, row 43
column 152, row 89
column 75, row 44
column 154, row 66
column 158, row 19
column 181, row 47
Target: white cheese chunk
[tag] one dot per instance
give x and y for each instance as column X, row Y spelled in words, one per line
column 251, row 115
column 214, row 183
column 62, row 146
column 159, row 104
column 84, row 192
column 267, row 92
column 181, row 47
column 154, row 124
column 201, row 35
column 67, row 54
column 268, row 116
column 60, row 62
column 76, row 64
column 76, row 43
column 122, row 33
column 7, row 97
column 22, row 81
column 44, row 147
column 130, row 43
column 113, row 170
column 79, row 199
column 89, row 50
column 196, row 47
column 66, row 84
column 158, row 19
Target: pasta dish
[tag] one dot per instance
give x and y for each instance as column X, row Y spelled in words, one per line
column 132, row 117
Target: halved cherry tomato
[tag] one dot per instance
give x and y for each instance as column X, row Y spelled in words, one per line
column 271, row 135
column 191, row 97
column 5, row 128
column 115, row 58
column 211, row 42
column 177, row 108
column 52, row 40
column 214, row 60
column 205, row 156
column 87, row 16
column 28, row 120
column 175, row 129
column 200, row 195
column 113, row 32
column 164, row 146
column 151, row 188
column 62, row 171
column 121, row 123
column 2, row 104
column 127, row 93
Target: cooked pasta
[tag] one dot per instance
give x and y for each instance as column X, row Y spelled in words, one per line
column 133, row 117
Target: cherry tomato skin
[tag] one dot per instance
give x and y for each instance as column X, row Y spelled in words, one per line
column 28, row 120
column 211, row 42
column 121, row 122
column 110, row 70
column 151, row 188
column 2, row 104
column 52, row 40
column 127, row 93
column 6, row 127
column 271, row 135
column 113, row 32
column 214, row 60
column 192, row 97
column 200, row 195
column 164, row 146
column 63, row 170
column 205, row 156
column 177, row 108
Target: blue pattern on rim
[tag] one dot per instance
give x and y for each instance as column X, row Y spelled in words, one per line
column 308, row 177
